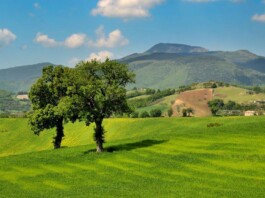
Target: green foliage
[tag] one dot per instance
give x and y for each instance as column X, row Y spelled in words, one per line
column 47, row 96
column 143, row 102
column 215, row 105
column 170, row 112
column 144, row 114
column 155, row 113
column 134, row 114
column 10, row 106
column 187, row 112
column 100, row 92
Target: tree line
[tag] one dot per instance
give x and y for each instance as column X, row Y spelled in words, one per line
column 89, row 92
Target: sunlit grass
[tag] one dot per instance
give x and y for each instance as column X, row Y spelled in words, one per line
column 162, row 157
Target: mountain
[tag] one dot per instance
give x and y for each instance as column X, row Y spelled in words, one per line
column 20, row 78
column 172, row 65
column 175, row 48
column 166, row 65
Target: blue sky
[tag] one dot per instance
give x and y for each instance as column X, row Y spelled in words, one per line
column 67, row 31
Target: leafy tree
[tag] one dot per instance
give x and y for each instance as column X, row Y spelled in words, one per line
column 215, row 105
column 155, row 113
column 187, row 112
column 170, row 112
column 144, row 114
column 46, row 95
column 214, row 86
column 257, row 89
column 101, row 93
column 230, row 105
column 184, row 112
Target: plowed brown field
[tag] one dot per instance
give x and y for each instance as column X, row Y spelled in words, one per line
column 195, row 99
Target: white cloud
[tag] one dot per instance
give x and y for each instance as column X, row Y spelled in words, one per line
column 259, row 18
column 114, row 39
column 100, row 56
column 73, row 61
column 36, row 5
column 45, row 41
column 6, row 37
column 75, row 40
column 125, row 9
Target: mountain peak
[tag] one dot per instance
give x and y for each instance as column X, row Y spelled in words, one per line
column 175, row 48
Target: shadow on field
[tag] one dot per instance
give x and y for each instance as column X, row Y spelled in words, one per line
column 130, row 146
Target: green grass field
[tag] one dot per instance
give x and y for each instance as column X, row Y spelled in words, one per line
column 163, row 157
column 237, row 94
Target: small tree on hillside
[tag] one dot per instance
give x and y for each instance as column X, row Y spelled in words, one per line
column 155, row 113
column 102, row 93
column 45, row 96
column 144, row 114
column 215, row 105
column 170, row 112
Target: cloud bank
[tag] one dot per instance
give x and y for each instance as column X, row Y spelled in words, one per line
column 125, row 9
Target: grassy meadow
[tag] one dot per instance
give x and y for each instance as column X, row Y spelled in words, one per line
column 154, row 157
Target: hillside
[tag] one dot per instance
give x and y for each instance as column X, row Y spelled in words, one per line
column 20, row 78
column 197, row 99
column 165, row 66
column 165, row 157
column 172, row 65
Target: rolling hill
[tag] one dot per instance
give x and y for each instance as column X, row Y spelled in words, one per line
column 20, row 78
column 162, row 157
column 172, row 65
column 167, row 65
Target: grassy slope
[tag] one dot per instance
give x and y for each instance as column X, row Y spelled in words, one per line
column 165, row 157
column 237, row 94
column 163, row 104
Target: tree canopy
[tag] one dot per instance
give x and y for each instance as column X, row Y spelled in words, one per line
column 100, row 92
column 46, row 95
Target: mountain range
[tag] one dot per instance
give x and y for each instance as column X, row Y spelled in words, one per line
column 167, row 65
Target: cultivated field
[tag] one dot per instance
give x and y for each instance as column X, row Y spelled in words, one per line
column 163, row 157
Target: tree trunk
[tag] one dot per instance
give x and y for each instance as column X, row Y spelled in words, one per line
column 99, row 136
column 59, row 134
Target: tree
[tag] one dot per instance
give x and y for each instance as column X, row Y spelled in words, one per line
column 144, row 114
column 155, row 113
column 46, row 95
column 170, row 112
column 101, row 93
column 189, row 111
column 215, row 105
column 184, row 112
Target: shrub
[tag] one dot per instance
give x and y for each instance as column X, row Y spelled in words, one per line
column 170, row 112
column 135, row 114
column 155, row 113
column 144, row 114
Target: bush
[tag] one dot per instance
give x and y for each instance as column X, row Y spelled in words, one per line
column 144, row 114
column 155, row 113
column 170, row 112
column 134, row 114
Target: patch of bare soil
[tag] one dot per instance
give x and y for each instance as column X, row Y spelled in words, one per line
column 195, row 99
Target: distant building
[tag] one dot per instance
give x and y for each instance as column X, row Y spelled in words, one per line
column 23, row 97
column 250, row 113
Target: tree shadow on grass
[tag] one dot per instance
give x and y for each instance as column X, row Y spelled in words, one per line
column 130, row 146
